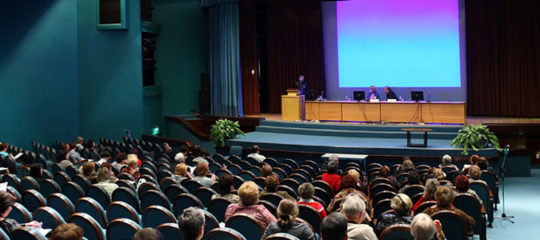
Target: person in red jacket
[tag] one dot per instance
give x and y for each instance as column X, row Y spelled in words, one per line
column 306, row 192
column 331, row 177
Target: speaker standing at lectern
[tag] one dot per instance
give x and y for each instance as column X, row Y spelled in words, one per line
column 301, row 85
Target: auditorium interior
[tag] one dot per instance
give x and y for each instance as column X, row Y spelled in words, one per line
column 123, row 117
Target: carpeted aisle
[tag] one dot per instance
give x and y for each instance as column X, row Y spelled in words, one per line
column 523, row 202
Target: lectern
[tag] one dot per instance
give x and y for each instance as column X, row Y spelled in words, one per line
column 292, row 106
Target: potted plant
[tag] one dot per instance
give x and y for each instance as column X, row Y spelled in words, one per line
column 475, row 137
column 224, row 129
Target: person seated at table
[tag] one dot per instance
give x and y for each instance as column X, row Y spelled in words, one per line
column 445, row 197
column 66, row 231
column 249, row 196
column 7, row 224
column 287, row 212
column 402, row 205
column 389, row 93
column 372, row 95
column 306, row 192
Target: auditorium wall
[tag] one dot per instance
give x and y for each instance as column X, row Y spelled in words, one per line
column 110, row 74
column 38, row 71
column 181, row 53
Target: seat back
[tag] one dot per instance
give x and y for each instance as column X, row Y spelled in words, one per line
column 91, row 207
column 482, row 190
column 92, row 229
column 128, row 196
column 310, row 215
column 218, row 206
column 118, row 209
column 379, row 188
column 61, row 204
column 122, row 229
column 154, row 197
column 61, row 178
column 323, row 195
column 424, row 206
column 273, row 198
column 224, row 234
column 73, row 191
column 32, row 200
column 191, row 185
column 19, row 213
column 472, row 207
column 170, row 231
column 398, row 231
column 174, row 190
column 288, row 190
column 413, row 190
column 99, row 194
column 28, row 182
column 381, row 196
column 48, row 187
column 153, row 216
column 184, row 201
column 3, row 235
column 205, row 194
column 281, row 236
column 246, row 225
column 49, row 217
column 210, row 221
column 27, row 233
column 453, row 226
column 83, row 182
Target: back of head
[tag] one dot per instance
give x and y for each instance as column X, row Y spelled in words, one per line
column 475, row 172
column 255, row 149
column 88, row 168
column 353, row 206
column 333, row 158
column 422, row 227
column 61, row 154
column 462, row 183
column 3, row 146
column 306, row 190
column 105, row 154
column 413, row 177
column 407, row 165
column 103, row 174
column 334, row 227
column 148, row 234
column 482, row 163
column 191, row 222
column 184, row 149
column 180, row 169
column 438, row 174
column 225, row 183
column 384, row 170
column 201, row 169
column 271, row 182
column 444, row 196
column 132, row 160
column 348, row 181
column 332, row 167
column 35, row 170
column 67, row 231
column 431, row 187
column 6, row 200
column 402, row 204
column 286, row 212
column 248, row 193
column 446, row 160
column 355, row 174
column 266, row 170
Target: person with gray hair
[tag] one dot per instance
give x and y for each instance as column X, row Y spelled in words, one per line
column 354, row 210
column 424, row 228
column 147, row 234
column 429, row 193
column 447, row 162
column 191, row 223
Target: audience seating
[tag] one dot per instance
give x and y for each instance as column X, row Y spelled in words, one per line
column 184, row 201
column 49, row 217
column 32, row 200
column 122, row 229
column 224, row 234
column 310, row 215
column 91, row 207
column 397, row 231
column 472, row 207
column 128, row 196
column 454, row 228
column 247, row 225
column 218, row 206
column 92, row 229
column 119, row 209
column 20, row 214
column 62, row 204
column 27, row 233
column 155, row 215
column 170, row 231
column 3, row 235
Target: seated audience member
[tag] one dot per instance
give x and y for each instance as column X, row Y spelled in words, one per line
column 413, row 178
column 63, row 159
column 147, row 234
column 266, row 170
column 287, row 212
column 331, row 177
column 306, row 192
column 401, row 204
column 104, row 180
column 462, row 186
column 356, row 175
column 473, row 160
column 73, row 154
column 255, row 154
column 201, row 175
column 482, row 163
column 249, row 195
column 406, row 166
column 270, row 186
column 191, row 223
column 475, row 173
column 167, row 151
column 108, row 165
column 7, row 224
column 348, row 186
column 120, row 161
column 225, row 187
column 445, row 197
column 79, row 143
column 429, row 193
column 202, row 157
column 3, row 150
column 66, row 231
column 88, row 171
column 424, row 228
column 133, row 156
column 334, row 227
column 132, row 165
column 447, row 162
column 181, row 156
column 384, row 172
column 36, row 171
column 354, row 210
column 105, row 157
column 439, row 174
column 181, row 172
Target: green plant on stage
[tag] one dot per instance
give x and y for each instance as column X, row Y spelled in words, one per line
column 475, row 137
column 224, row 129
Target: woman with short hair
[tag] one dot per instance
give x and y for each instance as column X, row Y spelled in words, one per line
column 445, row 197
column 287, row 212
column 67, row 231
column 249, row 195
column 225, row 187
column 201, row 175
column 181, row 172
column 401, row 204
column 306, row 192
column 104, row 180
column 429, row 192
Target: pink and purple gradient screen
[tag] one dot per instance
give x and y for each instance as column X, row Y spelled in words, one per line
column 398, row 43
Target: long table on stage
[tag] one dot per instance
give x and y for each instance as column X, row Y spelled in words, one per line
column 405, row 111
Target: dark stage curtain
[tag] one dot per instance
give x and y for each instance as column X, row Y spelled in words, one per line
column 503, row 57
column 248, row 57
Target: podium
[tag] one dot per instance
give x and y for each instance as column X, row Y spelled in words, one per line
column 292, row 106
